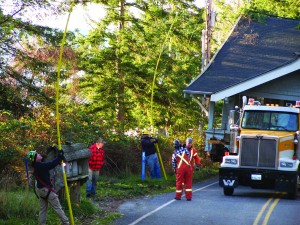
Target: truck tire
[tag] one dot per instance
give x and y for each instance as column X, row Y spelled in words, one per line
column 293, row 194
column 228, row 191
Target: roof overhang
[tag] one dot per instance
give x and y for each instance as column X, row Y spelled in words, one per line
column 251, row 83
column 197, row 93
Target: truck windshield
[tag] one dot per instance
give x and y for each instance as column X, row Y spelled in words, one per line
column 266, row 120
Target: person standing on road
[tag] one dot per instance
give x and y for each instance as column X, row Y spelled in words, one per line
column 44, row 186
column 194, row 157
column 183, row 170
column 148, row 146
column 96, row 162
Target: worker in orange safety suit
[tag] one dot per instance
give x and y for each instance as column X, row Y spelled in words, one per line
column 195, row 160
column 183, row 170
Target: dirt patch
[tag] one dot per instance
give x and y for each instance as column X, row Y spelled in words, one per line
column 108, row 204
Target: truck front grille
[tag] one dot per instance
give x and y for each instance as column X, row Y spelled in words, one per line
column 257, row 151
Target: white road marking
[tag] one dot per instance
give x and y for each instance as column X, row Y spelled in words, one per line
column 166, row 204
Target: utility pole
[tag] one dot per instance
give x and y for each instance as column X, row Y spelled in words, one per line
column 206, row 34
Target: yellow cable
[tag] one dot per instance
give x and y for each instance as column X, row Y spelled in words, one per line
column 152, row 93
column 160, row 160
column 57, row 117
column 154, row 76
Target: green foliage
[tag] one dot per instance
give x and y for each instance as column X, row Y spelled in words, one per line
column 132, row 186
column 159, row 49
column 120, row 66
column 113, row 93
column 28, row 55
column 7, row 156
column 17, row 136
column 22, row 207
column 85, row 208
column 286, row 8
column 123, row 154
column 18, row 205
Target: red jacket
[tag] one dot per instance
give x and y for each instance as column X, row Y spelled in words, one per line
column 96, row 161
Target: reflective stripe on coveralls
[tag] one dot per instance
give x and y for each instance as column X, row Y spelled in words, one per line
column 192, row 154
column 182, row 159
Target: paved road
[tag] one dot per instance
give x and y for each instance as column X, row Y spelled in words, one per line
column 209, row 206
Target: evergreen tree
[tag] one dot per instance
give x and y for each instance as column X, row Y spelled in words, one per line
column 28, row 54
column 126, row 54
column 281, row 8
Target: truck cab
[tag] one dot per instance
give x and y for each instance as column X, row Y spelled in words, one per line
column 264, row 149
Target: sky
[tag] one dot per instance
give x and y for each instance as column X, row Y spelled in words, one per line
column 79, row 17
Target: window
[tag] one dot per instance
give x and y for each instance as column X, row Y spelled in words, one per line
column 266, row 120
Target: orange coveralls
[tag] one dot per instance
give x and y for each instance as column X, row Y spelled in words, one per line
column 184, row 172
column 194, row 158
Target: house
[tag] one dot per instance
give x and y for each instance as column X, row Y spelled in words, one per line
column 260, row 59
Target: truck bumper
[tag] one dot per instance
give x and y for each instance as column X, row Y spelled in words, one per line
column 258, row 178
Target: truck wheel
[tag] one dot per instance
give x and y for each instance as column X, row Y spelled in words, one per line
column 293, row 194
column 228, row 191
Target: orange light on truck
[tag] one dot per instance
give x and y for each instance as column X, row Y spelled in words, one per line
column 251, row 101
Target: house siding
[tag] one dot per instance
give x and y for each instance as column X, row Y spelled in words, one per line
column 284, row 88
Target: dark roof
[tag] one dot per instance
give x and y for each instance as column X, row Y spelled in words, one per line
column 76, row 151
column 252, row 49
column 72, row 152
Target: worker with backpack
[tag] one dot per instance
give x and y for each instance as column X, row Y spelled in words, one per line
column 47, row 195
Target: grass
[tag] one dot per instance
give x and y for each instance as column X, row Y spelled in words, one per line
column 22, row 207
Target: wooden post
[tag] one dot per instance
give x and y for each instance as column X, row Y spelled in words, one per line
column 75, row 191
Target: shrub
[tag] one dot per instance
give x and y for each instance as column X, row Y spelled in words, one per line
column 18, row 205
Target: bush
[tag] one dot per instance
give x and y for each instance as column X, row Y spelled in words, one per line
column 18, row 205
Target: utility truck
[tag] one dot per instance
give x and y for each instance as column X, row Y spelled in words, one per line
column 264, row 148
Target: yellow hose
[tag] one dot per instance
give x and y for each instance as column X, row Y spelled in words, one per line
column 160, row 160
column 57, row 118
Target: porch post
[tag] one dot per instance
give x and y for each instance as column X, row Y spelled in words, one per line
column 211, row 115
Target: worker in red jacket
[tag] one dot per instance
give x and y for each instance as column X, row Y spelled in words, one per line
column 96, row 162
column 195, row 160
column 183, row 170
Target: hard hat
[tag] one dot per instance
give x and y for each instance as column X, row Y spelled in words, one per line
column 176, row 143
column 189, row 140
column 145, row 132
column 31, row 156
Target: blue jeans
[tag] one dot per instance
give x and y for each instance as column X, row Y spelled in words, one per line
column 153, row 165
column 91, row 184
